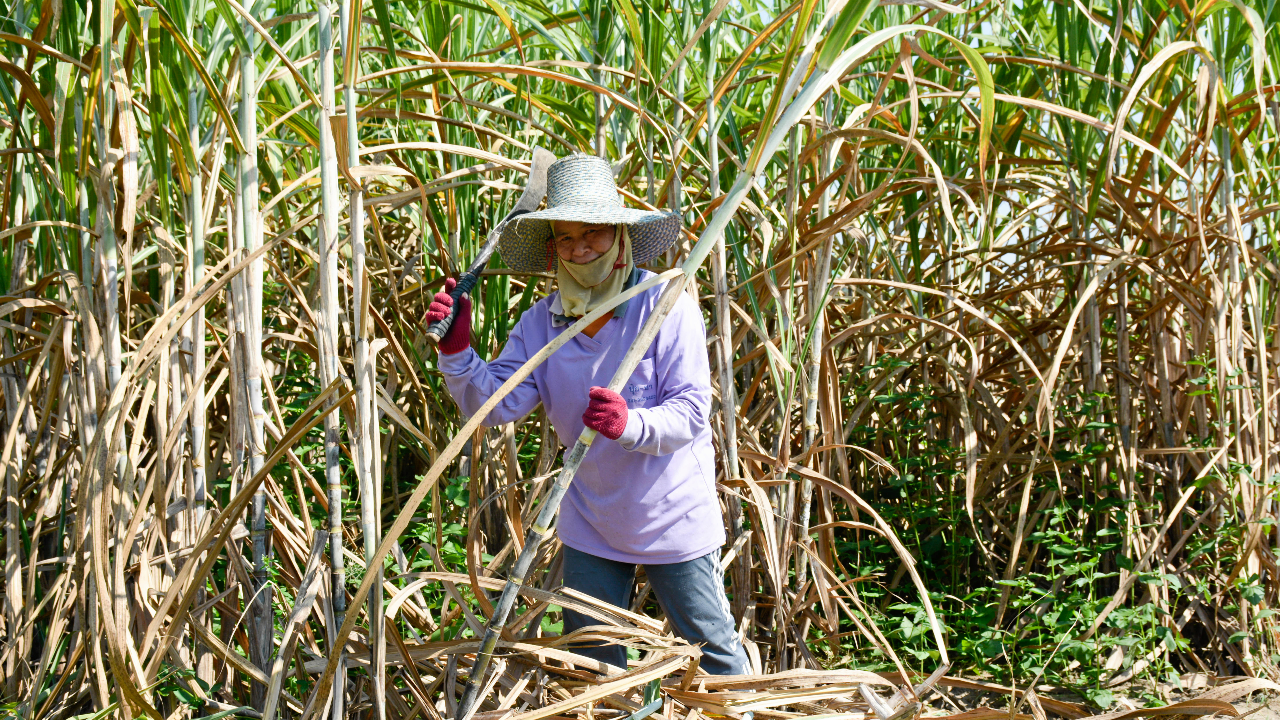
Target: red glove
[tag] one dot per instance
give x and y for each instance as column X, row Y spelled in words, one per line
column 606, row 413
column 458, row 338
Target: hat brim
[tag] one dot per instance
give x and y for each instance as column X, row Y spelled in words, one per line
column 592, row 214
column 524, row 243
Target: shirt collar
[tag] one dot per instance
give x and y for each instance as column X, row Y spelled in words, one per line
column 559, row 319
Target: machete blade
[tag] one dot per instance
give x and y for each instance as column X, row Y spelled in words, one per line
column 534, row 190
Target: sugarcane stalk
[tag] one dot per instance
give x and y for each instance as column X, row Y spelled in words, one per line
column 86, row 614
column 168, row 371
column 723, row 341
column 250, row 311
column 107, row 245
column 13, row 521
column 675, row 198
column 196, row 490
column 82, row 207
column 365, row 431
column 720, row 278
column 106, row 196
column 194, row 333
column 113, row 466
column 819, row 278
column 328, row 336
column 597, row 56
column 541, row 527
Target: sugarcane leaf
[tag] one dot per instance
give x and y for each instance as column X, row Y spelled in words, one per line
column 297, row 122
column 30, row 91
column 233, row 24
column 214, row 93
column 508, row 23
column 636, row 37
column 837, row 38
column 1142, row 77
column 383, row 14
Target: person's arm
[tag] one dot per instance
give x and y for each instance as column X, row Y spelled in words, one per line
column 472, row 381
column 683, row 376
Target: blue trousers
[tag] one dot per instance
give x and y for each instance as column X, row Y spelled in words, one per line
column 691, row 593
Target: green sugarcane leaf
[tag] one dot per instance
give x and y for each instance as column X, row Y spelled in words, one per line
column 233, row 21
column 226, row 713
column 846, row 23
column 131, row 17
column 213, row 91
column 383, row 14
column 1257, row 36
column 986, row 93
column 296, row 122
column 508, row 23
column 636, row 39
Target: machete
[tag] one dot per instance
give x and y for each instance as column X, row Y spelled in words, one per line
column 528, row 202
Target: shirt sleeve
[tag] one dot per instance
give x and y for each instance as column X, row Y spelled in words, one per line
column 472, row 381
column 684, row 386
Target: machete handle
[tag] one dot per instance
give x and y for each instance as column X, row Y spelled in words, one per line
column 436, row 331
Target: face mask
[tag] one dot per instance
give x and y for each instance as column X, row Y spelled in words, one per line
column 584, row 287
column 597, row 271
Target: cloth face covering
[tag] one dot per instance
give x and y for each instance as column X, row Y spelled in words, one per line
column 584, row 287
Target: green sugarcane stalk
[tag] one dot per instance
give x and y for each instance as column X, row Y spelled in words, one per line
column 328, row 337
column 720, row 273
column 106, row 194
column 723, row 342
column 365, row 434
column 196, row 491
column 250, row 311
column 819, row 277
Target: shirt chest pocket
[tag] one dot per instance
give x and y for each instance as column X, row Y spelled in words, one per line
column 641, row 390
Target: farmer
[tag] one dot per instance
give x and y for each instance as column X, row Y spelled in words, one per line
column 646, row 496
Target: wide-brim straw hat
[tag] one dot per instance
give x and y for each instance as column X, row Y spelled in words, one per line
column 581, row 188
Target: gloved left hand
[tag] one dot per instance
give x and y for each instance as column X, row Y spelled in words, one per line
column 606, row 413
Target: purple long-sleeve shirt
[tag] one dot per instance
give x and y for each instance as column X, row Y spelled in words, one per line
column 648, row 497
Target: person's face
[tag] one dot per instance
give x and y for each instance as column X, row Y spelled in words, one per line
column 580, row 243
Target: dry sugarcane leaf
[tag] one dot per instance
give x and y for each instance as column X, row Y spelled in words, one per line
column 774, row 698
column 982, row 713
column 310, row 587
column 793, row 678
column 1066, row 709
column 420, row 652
column 633, row 679
column 37, row 304
column 1210, row 702
column 1185, row 709
column 360, row 172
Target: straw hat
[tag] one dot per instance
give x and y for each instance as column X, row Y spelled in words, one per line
column 581, row 188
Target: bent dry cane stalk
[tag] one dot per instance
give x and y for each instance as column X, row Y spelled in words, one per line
column 541, row 528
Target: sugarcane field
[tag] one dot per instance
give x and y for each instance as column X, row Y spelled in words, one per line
column 640, row 359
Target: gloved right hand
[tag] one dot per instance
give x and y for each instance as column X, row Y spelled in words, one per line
column 606, row 412
column 458, row 338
